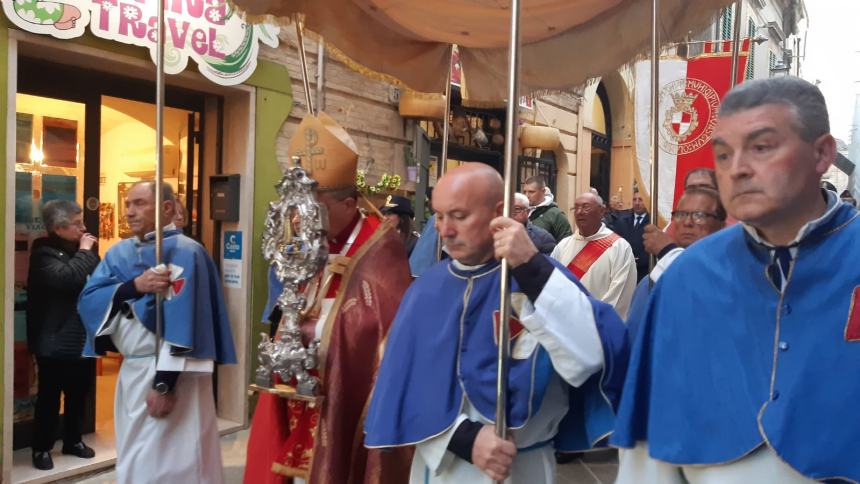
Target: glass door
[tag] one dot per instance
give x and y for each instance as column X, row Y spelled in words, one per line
column 127, row 154
column 49, row 165
column 88, row 139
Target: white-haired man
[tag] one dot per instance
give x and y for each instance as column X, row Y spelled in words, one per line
column 542, row 239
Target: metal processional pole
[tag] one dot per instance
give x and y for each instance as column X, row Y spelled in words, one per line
column 443, row 160
column 655, row 114
column 736, row 43
column 159, row 169
column 300, row 31
column 510, row 153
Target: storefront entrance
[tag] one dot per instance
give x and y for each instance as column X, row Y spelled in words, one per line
column 88, row 139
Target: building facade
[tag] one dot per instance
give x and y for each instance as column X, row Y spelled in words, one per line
column 609, row 133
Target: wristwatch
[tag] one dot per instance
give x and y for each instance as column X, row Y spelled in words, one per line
column 161, row 388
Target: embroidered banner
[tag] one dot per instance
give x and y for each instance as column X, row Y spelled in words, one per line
column 690, row 95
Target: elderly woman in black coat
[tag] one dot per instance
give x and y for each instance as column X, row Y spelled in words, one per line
column 59, row 266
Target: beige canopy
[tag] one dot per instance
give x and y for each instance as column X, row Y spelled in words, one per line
column 565, row 42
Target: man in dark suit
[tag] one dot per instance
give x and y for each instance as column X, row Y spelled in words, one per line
column 631, row 225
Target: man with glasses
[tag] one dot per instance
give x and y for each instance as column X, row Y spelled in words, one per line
column 745, row 366
column 601, row 259
column 542, row 239
column 699, row 213
column 660, row 242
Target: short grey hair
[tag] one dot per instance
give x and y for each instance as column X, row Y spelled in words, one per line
column 522, row 198
column 593, row 192
column 802, row 97
column 57, row 214
column 166, row 189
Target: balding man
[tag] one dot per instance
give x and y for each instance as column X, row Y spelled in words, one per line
column 599, row 257
column 746, row 370
column 436, row 387
column 542, row 239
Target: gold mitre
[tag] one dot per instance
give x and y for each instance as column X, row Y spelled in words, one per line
column 327, row 152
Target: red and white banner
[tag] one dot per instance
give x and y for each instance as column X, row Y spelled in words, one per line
column 690, row 95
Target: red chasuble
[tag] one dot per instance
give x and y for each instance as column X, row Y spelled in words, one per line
column 590, row 253
column 325, row 445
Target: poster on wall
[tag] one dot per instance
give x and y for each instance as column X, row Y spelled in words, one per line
column 60, row 142
column 231, row 267
column 106, row 220
column 23, row 137
column 123, row 229
column 210, row 32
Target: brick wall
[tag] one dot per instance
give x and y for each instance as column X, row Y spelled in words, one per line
column 361, row 105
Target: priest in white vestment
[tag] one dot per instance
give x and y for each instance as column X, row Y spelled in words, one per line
column 164, row 410
column 600, row 258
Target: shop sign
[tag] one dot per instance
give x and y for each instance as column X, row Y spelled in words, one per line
column 210, row 32
column 231, row 267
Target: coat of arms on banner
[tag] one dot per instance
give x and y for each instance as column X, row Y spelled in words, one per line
column 211, row 32
column 691, row 116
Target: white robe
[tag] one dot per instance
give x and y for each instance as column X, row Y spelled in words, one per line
column 182, row 447
column 576, row 353
column 761, row 465
column 612, row 277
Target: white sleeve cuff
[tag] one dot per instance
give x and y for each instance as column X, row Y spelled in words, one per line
column 168, row 362
column 435, row 452
column 562, row 320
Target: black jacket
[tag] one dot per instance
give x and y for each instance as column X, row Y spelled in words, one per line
column 633, row 235
column 58, row 272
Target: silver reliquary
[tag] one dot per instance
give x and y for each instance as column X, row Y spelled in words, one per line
column 294, row 245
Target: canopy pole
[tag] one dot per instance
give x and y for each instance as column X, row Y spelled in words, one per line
column 443, row 160
column 736, row 42
column 300, row 30
column 655, row 115
column 159, row 170
column 511, row 126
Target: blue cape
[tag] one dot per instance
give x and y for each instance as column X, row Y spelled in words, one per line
column 432, row 360
column 424, row 254
column 723, row 364
column 195, row 318
column 638, row 306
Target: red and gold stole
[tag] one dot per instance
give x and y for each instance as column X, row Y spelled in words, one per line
column 589, row 254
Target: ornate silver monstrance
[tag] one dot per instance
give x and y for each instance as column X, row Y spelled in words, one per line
column 294, row 244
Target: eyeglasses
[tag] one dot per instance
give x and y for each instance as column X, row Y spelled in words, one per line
column 699, row 217
column 519, row 209
column 583, row 208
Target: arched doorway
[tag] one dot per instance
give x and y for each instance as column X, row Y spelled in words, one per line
column 601, row 142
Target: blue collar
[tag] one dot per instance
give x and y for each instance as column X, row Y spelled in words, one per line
column 461, row 270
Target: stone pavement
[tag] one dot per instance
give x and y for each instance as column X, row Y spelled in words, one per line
column 592, row 468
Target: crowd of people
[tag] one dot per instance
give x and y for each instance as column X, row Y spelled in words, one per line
column 720, row 348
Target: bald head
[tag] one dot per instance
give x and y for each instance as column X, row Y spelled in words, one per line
column 466, row 200
column 479, row 178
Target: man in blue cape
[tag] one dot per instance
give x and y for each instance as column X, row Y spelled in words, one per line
column 744, row 367
column 436, row 387
column 166, row 428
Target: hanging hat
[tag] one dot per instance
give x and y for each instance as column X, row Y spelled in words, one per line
column 399, row 205
column 327, row 152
